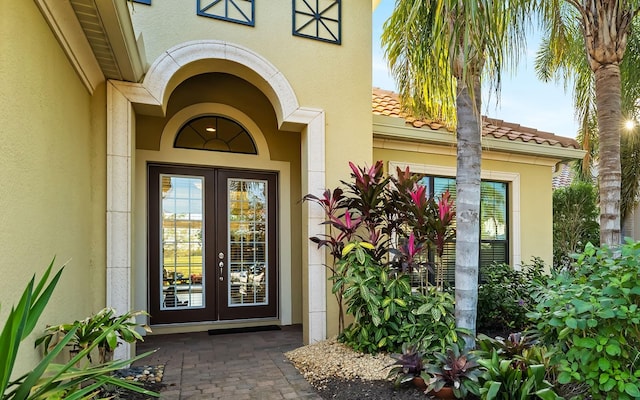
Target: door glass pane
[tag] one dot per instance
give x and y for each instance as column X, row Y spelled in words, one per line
column 247, row 238
column 182, row 242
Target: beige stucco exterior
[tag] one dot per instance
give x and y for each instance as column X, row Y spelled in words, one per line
column 77, row 140
column 315, row 70
column 52, row 168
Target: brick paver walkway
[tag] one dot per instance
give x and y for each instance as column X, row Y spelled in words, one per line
column 241, row 366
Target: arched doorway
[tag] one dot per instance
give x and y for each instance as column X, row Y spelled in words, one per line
column 128, row 102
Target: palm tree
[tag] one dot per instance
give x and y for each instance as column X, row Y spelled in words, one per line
column 438, row 52
column 602, row 27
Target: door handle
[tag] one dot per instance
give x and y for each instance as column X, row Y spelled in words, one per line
column 221, row 265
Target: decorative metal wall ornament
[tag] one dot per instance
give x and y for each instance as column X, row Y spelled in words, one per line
column 238, row 11
column 318, row 19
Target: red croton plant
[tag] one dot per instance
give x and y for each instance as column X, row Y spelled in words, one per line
column 374, row 208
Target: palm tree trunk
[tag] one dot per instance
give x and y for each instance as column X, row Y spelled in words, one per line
column 609, row 123
column 469, row 150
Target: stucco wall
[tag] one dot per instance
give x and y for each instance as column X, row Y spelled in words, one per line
column 335, row 78
column 536, row 217
column 52, row 169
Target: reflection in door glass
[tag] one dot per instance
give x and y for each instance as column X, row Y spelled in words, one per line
column 248, row 269
column 182, row 239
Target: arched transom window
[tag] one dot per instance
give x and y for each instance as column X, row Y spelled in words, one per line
column 215, row 133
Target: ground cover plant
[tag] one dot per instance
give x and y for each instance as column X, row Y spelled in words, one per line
column 590, row 314
column 456, row 368
column 516, row 367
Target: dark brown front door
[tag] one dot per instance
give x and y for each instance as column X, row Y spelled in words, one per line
column 212, row 244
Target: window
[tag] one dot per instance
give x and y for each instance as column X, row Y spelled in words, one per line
column 494, row 235
column 238, row 11
column 215, row 133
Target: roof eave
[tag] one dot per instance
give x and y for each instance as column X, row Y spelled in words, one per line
column 116, row 25
column 65, row 26
column 119, row 29
column 385, row 127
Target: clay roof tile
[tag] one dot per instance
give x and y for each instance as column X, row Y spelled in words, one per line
column 385, row 102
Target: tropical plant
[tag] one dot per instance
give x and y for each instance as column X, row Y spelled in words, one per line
column 504, row 380
column 575, row 213
column 433, row 321
column 408, row 365
column 504, row 295
column 90, row 328
column 455, row 368
column 387, row 311
column 602, row 28
column 375, row 297
column 512, row 346
column 573, row 67
column 362, row 202
column 361, row 218
column 592, row 316
column 438, row 51
column 49, row 380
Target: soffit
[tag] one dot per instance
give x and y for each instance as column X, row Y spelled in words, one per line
column 92, row 25
column 98, row 38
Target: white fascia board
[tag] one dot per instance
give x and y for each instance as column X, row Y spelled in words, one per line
column 118, row 27
column 65, row 26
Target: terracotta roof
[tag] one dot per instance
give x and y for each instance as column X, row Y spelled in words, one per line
column 563, row 177
column 387, row 103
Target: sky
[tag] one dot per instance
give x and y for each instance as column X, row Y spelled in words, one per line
column 524, row 99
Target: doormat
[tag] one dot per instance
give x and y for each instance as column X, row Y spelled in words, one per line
column 244, row 330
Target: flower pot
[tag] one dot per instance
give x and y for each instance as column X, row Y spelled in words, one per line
column 444, row 393
column 420, row 383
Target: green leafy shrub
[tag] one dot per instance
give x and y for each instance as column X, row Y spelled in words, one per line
column 516, row 368
column 49, row 380
column 371, row 280
column 575, row 221
column 505, row 380
column 387, row 312
column 592, row 315
column 504, row 295
column 90, row 328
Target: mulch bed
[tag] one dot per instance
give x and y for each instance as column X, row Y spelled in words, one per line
column 334, row 389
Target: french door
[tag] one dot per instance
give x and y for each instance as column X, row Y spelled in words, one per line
column 212, row 244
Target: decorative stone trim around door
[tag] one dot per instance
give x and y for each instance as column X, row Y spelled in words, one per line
column 125, row 99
